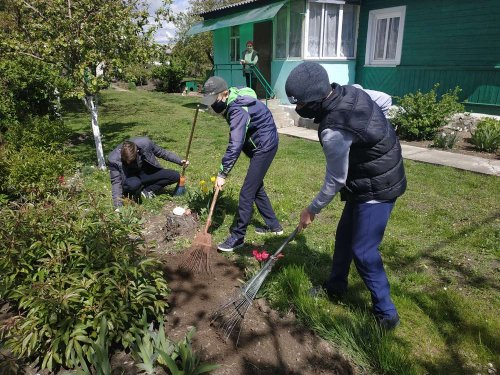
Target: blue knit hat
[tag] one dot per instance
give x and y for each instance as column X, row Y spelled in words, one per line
column 307, row 83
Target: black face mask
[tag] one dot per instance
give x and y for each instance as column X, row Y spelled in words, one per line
column 219, row 106
column 310, row 110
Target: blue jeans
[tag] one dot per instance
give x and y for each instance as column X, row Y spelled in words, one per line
column 359, row 234
column 253, row 191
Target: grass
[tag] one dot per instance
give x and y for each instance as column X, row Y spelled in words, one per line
column 440, row 250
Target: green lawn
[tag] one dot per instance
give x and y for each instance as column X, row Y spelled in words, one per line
column 441, row 248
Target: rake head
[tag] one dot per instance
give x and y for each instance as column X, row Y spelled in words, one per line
column 231, row 314
column 197, row 258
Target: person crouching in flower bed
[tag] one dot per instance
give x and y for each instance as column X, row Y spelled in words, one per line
column 135, row 171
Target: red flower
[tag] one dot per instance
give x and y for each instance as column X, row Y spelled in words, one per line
column 61, row 179
column 264, row 255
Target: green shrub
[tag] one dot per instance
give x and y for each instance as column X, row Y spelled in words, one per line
column 34, row 173
column 445, row 140
column 131, row 85
column 169, row 78
column 40, row 132
column 487, row 135
column 136, row 73
column 421, row 115
column 65, row 265
column 28, row 89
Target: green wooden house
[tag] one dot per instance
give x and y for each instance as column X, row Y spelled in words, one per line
column 394, row 46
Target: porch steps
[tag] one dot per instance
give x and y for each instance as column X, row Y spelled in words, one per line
column 285, row 116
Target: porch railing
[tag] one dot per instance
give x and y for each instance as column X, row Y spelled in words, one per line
column 237, row 68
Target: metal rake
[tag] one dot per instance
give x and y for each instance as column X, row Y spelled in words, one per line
column 230, row 315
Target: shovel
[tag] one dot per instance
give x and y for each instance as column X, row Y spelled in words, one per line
column 181, row 188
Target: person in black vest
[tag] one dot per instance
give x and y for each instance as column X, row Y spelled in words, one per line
column 364, row 164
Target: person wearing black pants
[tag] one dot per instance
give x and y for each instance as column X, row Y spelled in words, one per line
column 135, row 171
column 252, row 131
column 363, row 163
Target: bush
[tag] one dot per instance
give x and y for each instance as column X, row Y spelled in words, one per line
column 40, row 132
column 445, row 140
column 29, row 88
column 487, row 135
column 136, row 73
column 421, row 115
column 33, row 172
column 169, row 78
column 65, row 265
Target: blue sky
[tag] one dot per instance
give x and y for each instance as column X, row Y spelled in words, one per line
column 168, row 30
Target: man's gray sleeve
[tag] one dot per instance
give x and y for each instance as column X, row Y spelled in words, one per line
column 336, row 145
column 383, row 100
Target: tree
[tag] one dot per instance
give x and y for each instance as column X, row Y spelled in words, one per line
column 85, row 41
column 195, row 52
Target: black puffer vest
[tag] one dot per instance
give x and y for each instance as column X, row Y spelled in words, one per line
column 376, row 170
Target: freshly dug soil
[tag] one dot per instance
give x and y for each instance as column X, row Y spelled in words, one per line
column 268, row 343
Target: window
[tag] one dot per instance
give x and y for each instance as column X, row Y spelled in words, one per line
column 331, row 29
column 288, row 26
column 385, row 36
column 234, row 41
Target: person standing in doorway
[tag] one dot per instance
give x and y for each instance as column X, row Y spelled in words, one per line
column 249, row 57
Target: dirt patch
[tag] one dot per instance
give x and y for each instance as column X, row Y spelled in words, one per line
column 268, row 343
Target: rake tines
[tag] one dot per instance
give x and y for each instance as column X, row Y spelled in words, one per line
column 231, row 314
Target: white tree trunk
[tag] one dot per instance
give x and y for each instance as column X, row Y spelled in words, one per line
column 92, row 107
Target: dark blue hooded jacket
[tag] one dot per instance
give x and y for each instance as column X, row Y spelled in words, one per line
column 251, row 129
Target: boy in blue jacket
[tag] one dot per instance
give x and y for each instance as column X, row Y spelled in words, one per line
column 253, row 131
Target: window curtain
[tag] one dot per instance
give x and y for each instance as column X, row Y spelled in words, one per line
column 380, row 39
column 295, row 42
column 281, row 19
column 392, row 40
column 330, row 32
column 313, row 42
column 348, row 31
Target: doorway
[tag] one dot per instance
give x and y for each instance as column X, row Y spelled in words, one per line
column 263, row 44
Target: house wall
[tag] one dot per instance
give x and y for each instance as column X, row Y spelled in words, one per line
column 450, row 42
column 342, row 72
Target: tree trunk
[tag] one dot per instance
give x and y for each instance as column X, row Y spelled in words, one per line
column 92, row 107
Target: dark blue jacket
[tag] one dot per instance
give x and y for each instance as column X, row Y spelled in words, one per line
column 251, row 129
column 376, row 170
column 147, row 150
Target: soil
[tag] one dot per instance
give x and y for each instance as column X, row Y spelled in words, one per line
column 268, row 343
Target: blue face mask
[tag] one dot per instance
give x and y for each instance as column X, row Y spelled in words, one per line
column 219, row 106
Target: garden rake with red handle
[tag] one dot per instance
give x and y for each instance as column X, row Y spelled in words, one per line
column 197, row 258
column 230, row 315
column 181, row 188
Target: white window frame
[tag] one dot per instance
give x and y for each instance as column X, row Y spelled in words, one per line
column 236, row 41
column 373, row 17
column 339, row 31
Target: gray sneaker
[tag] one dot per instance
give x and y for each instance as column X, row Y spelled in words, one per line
column 266, row 230
column 147, row 194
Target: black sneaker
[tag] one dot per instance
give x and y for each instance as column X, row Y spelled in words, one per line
column 388, row 324
column 266, row 230
column 230, row 244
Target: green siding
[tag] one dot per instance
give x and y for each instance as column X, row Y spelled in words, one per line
column 450, row 42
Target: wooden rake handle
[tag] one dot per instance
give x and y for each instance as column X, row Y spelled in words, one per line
column 212, row 206
column 191, row 137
